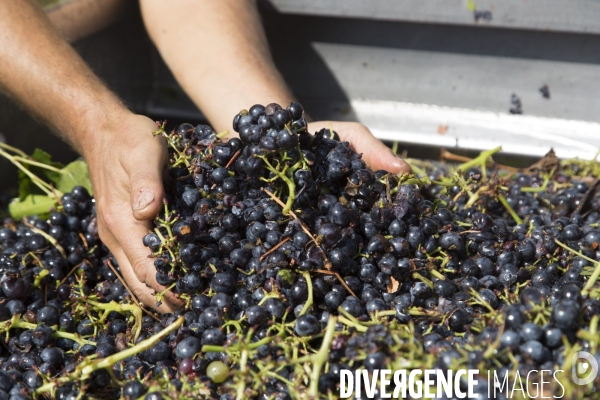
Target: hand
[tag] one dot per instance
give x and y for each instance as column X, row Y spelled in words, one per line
column 375, row 154
column 126, row 165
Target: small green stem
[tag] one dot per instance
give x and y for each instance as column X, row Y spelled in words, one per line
column 138, row 348
column 74, row 337
column 420, row 277
column 290, row 184
column 159, row 296
column 481, row 301
column 320, row 358
column 437, row 274
column 44, row 187
column 241, row 345
column 120, row 308
column 537, row 189
column 510, row 210
column 13, row 149
column 89, row 365
column 39, row 164
column 221, row 135
column 564, row 246
column 16, row 323
column 242, row 384
column 352, row 323
column 594, row 331
column 46, row 236
column 480, row 160
column 592, row 279
column 387, row 313
column 309, row 301
column 38, row 279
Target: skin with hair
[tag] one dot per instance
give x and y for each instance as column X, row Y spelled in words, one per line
column 218, row 52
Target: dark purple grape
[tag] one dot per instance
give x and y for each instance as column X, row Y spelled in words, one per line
column 188, row 348
column 307, row 325
column 133, row 390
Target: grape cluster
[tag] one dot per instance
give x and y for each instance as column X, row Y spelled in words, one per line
column 295, row 261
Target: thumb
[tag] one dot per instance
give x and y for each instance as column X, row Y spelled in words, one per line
column 143, row 159
column 378, row 156
column 146, row 193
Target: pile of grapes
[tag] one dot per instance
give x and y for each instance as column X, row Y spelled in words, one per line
column 295, row 261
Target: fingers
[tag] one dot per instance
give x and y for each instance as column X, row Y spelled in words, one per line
column 139, row 267
column 142, row 292
column 375, row 154
column 123, row 235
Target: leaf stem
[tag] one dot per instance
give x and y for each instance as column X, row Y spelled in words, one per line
column 44, row 187
column 13, row 149
column 39, row 164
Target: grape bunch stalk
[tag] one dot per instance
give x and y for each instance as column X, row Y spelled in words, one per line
column 294, row 261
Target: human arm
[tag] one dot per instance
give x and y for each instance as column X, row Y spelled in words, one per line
column 218, row 52
column 41, row 71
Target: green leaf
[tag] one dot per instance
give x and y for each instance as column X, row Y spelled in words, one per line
column 25, row 185
column 34, row 204
column 74, row 174
column 40, row 155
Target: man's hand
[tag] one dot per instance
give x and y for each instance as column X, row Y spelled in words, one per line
column 44, row 73
column 126, row 168
column 205, row 59
column 376, row 154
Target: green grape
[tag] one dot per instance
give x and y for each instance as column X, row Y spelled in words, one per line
column 217, row 371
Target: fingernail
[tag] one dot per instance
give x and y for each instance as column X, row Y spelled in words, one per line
column 143, row 199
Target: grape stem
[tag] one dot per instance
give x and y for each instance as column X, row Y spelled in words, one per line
column 38, row 279
column 43, row 186
column 420, row 277
column 309, row 301
column 540, row 188
column 352, row 324
column 120, row 308
column 89, row 365
column 592, row 279
column 319, row 359
column 46, row 236
column 482, row 302
column 481, row 160
column 290, row 184
column 242, row 385
column 273, row 249
column 293, row 214
column 510, row 210
column 39, row 164
column 16, row 323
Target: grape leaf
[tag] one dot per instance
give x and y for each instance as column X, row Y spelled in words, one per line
column 33, row 204
column 74, row 174
column 40, row 155
column 26, row 186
